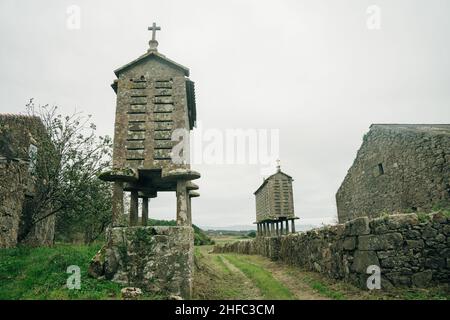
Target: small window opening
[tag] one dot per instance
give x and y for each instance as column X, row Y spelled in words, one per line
column 32, row 155
column 380, row 169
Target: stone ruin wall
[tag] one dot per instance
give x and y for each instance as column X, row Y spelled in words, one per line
column 17, row 132
column 399, row 168
column 411, row 249
column 12, row 197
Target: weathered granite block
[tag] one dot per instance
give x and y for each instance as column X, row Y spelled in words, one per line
column 155, row 259
column 380, row 242
column 358, row 226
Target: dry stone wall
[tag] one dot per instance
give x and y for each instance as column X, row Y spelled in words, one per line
column 410, row 249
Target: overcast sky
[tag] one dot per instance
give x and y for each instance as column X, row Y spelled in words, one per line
column 312, row 69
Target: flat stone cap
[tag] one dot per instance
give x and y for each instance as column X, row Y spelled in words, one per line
column 126, row 175
column 180, row 174
column 191, row 186
column 194, row 194
column 147, row 194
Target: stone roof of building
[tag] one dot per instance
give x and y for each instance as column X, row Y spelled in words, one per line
column 422, row 128
column 269, row 178
column 153, row 54
column 12, row 116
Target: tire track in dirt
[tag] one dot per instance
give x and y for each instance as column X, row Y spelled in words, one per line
column 296, row 285
column 253, row 290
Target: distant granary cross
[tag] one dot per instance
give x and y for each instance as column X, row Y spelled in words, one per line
column 154, row 28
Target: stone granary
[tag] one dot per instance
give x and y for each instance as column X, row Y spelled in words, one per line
column 398, row 168
column 154, row 113
column 20, row 139
column 154, row 98
column 275, row 205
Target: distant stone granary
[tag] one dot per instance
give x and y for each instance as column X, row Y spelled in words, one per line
column 275, row 205
column 399, row 168
column 155, row 111
column 20, row 139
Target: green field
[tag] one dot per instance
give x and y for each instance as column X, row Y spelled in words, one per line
column 40, row 273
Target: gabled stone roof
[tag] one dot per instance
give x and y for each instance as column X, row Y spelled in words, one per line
column 153, row 54
column 269, row 178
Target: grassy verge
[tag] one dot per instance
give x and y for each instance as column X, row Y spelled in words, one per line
column 40, row 273
column 324, row 289
column 270, row 287
column 342, row 290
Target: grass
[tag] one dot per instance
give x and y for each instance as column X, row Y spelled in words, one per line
column 323, row 289
column 200, row 237
column 222, row 264
column 214, row 281
column 430, row 294
column 423, row 217
column 40, row 273
column 270, row 287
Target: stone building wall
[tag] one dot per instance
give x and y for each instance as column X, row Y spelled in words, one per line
column 399, row 168
column 410, row 249
column 12, row 195
column 154, row 259
column 17, row 182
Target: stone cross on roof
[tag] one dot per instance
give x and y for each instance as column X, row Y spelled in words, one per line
column 153, row 43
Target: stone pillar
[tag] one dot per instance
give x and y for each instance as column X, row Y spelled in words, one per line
column 144, row 211
column 265, row 228
column 134, row 205
column 257, row 229
column 182, row 203
column 281, row 227
column 191, row 194
column 189, row 212
column 293, row 226
column 278, row 231
column 287, row 227
column 117, row 203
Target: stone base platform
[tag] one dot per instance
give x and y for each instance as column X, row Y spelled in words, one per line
column 154, row 259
